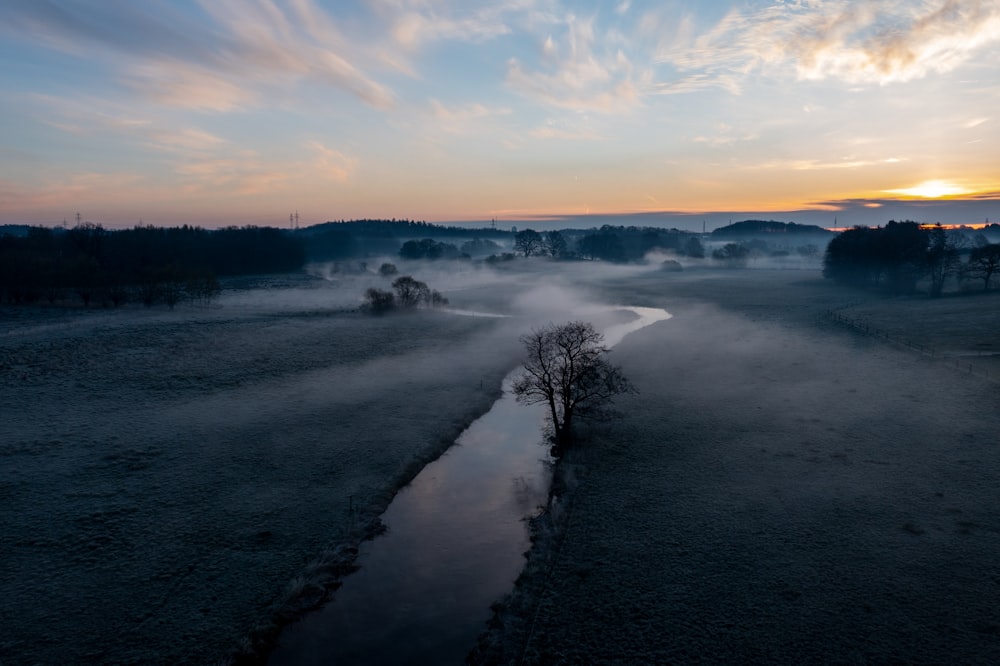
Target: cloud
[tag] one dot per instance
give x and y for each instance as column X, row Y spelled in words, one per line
column 876, row 42
column 188, row 140
column 220, row 64
column 93, row 116
column 332, row 165
column 414, row 29
column 725, row 136
column 975, row 122
column 580, row 76
column 564, row 130
column 462, row 113
column 460, row 119
column 820, row 165
column 183, row 85
column 69, row 191
column 244, row 175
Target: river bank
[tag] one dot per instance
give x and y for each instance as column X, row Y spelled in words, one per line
column 173, row 482
column 783, row 490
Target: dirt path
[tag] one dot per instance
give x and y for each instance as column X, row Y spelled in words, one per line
column 781, row 491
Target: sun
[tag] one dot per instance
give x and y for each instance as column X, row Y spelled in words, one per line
column 932, row 189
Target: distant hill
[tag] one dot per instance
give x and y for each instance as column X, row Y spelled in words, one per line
column 400, row 229
column 767, row 228
column 19, row 230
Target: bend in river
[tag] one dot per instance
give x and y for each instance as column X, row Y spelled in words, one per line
column 455, row 543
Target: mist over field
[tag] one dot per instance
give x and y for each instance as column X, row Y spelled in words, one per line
column 170, row 477
column 685, row 312
column 177, row 482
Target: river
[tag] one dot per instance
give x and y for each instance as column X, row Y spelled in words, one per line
column 455, row 543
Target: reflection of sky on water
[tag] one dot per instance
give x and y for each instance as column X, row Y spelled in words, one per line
column 454, row 545
column 646, row 316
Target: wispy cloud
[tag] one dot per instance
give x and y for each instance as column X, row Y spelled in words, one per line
column 98, row 119
column 463, row 118
column 875, row 42
column 330, row 164
column 975, row 122
column 565, row 130
column 823, row 165
column 582, row 73
column 223, row 64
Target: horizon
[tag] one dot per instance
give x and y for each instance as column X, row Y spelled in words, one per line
column 532, row 112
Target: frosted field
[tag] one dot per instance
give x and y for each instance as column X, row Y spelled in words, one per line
column 173, row 481
column 167, row 479
column 783, row 490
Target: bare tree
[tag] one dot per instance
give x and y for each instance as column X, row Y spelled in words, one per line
column 409, row 292
column 554, row 244
column 984, row 263
column 378, row 301
column 528, row 242
column 566, row 369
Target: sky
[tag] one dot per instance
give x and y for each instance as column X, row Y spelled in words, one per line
column 670, row 113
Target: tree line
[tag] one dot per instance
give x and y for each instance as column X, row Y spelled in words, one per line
column 93, row 265
column 407, row 293
column 903, row 257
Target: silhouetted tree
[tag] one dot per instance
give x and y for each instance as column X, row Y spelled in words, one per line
column 109, row 266
column 566, row 369
column 733, row 255
column 942, row 258
column 428, row 248
column 378, row 301
column 693, row 248
column 894, row 256
column 202, row 287
column 902, row 251
column 528, row 242
column 605, row 245
column 409, row 292
column 437, row 300
column 984, row 263
column 479, row 246
column 387, row 270
column 554, row 244
column 851, row 258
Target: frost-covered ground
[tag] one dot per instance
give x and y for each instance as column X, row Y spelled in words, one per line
column 173, row 481
column 167, row 478
column 783, row 490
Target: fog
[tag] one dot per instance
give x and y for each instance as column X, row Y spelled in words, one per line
column 175, row 481
column 780, row 490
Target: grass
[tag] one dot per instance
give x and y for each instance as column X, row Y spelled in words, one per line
column 165, row 475
column 782, row 490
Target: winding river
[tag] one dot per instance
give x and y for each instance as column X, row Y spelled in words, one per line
column 455, row 543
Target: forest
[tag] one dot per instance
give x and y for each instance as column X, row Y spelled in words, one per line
column 906, row 257
column 92, row 265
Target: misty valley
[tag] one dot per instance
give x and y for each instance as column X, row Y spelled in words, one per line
column 309, row 446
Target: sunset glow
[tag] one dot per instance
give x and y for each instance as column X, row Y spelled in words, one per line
column 219, row 112
column 932, row 189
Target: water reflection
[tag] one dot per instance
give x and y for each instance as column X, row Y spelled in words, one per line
column 454, row 545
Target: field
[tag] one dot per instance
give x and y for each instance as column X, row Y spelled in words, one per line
column 169, row 480
column 785, row 489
